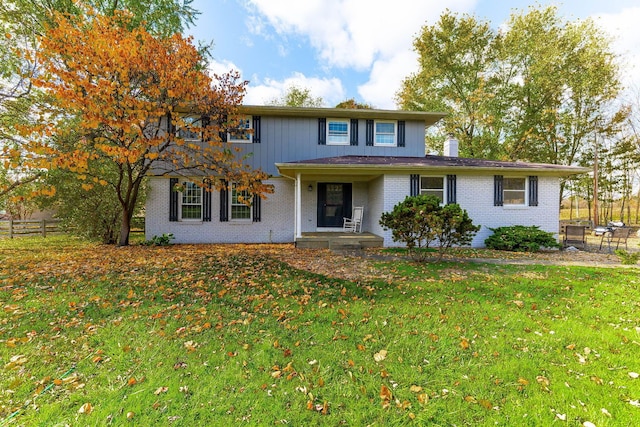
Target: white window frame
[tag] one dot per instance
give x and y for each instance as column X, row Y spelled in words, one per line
column 524, row 190
column 424, row 190
column 190, row 189
column 376, row 133
column 339, row 141
column 246, row 137
column 233, row 202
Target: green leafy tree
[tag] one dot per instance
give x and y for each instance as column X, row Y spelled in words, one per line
column 538, row 90
column 419, row 221
column 352, row 104
column 296, row 96
column 456, row 57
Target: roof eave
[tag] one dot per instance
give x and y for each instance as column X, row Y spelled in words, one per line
column 331, row 168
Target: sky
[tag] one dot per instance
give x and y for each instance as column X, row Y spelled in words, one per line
column 363, row 49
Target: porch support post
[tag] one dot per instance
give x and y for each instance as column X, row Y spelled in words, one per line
column 298, row 205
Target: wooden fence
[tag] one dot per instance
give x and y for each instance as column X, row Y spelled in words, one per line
column 16, row 228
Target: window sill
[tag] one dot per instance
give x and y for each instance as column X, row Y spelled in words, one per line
column 515, row 207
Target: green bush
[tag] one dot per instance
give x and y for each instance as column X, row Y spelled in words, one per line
column 419, row 221
column 520, row 238
column 164, row 240
column 627, row 258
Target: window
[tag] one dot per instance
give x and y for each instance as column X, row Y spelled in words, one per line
column 337, row 131
column 433, row 186
column 187, row 132
column 240, row 210
column 514, row 191
column 240, row 130
column 385, row 133
column 191, row 207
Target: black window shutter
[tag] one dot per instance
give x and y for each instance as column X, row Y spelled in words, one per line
column 223, row 128
column 171, row 129
column 533, row 191
column 256, row 129
column 205, row 123
column 206, row 201
column 451, row 189
column 224, row 202
column 369, row 140
column 322, row 131
column 257, row 208
column 354, row 132
column 498, row 186
column 173, row 199
column 414, row 184
column 400, row 133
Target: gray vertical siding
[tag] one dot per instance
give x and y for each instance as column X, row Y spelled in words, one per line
column 288, row 139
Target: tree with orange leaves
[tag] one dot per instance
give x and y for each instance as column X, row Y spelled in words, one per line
column 136, row 101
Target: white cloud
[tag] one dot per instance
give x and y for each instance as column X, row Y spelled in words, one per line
column 373, row 35
column 350, row 33
column 330, row 89
column 624, row 28
column 222, row 67
column 385, row 79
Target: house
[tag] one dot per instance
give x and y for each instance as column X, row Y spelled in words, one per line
column 324, row 161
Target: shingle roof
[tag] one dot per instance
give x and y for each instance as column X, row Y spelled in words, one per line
column 438, row 162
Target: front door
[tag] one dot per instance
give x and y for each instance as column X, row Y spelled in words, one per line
column 334, row 203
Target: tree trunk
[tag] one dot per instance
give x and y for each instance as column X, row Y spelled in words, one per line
column 125, row 228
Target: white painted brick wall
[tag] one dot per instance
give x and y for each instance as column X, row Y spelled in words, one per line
column 475, row 195
column 276, row 225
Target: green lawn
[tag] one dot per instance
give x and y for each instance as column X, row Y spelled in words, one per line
column 229, row 335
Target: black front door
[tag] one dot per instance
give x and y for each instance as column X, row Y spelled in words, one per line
column 334, row 203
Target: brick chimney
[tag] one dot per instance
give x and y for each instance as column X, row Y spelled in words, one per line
column 451, row 146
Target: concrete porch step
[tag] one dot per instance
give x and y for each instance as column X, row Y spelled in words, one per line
column 339, row 241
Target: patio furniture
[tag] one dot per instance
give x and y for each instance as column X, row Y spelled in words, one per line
column 354, row 224
column 617, row 236
column 575, row 235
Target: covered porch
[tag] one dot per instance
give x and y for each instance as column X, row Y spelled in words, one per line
column 339, row 241
column 325, row 194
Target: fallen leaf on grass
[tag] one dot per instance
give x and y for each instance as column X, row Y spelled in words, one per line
column 160, row 390
column 415, row 389
column 85, row 409
column 380, row 356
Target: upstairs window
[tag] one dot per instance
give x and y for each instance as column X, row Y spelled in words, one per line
column 514, row 191
column 240, row 130
column 385, row 133
column 191, row 206
column 432, row 186
column 337, row 131
column 190, row 132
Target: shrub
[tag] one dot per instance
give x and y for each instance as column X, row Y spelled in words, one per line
column 627, row 258
column 520, row 238
column 419, row 221
column 164, row 240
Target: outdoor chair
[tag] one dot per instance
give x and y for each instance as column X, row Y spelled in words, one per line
column 617, row 236
column 354, row 224
column 575, row 235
